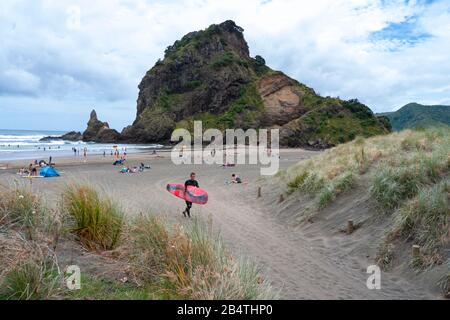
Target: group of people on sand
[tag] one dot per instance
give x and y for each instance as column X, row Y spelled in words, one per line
column 127, row 169
column 30, row 171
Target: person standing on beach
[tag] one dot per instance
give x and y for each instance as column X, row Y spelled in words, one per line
column 85, row 154
column 190, row 182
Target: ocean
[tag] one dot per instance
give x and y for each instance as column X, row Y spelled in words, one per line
column 25, row 144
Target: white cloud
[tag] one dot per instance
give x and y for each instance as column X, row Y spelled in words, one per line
column 20, row 82
column 73, row 51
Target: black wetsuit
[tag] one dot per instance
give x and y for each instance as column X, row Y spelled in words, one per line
column 189, row 204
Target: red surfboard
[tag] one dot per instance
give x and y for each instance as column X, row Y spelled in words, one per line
column 192, row 194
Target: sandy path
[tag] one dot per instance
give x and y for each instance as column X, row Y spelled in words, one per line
column 299, row 266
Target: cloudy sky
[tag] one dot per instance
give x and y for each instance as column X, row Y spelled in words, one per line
column 59, row 59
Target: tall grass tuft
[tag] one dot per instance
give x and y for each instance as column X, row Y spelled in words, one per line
column 31, row 280
column 192, row 263
column 444, row 284
column 20, row 207
column 98, row 221
column 392, row 185
column 297, row 181
column 426, row 218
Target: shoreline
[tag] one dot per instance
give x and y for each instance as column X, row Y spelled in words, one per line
column 144, row 155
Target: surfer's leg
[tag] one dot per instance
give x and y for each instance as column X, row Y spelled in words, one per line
column 188, row 208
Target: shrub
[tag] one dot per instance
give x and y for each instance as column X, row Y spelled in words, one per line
column 223, row 60
column 98, row 221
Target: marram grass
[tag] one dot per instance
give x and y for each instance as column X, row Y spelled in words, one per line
column 98, row 221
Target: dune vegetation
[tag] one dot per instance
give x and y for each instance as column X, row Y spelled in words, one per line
column 407, row 177
column 161, row 261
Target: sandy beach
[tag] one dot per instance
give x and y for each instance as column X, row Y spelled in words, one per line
column 311, row 264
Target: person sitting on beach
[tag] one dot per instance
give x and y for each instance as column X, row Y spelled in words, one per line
column 23, row 171
column 235, row 178
column 32, row 170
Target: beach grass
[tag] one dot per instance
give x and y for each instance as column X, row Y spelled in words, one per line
column 164, row 261
column 192, row 263
column 425, row 218
column 31, row 280
column 98, row 288
column 21, row 207
column 98, row 221
column 444, row 284
column 407, row 177
column 398, row 165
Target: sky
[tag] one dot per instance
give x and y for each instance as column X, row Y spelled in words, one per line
column 60, row 59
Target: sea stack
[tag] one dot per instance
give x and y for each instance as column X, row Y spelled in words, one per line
column 98, row 131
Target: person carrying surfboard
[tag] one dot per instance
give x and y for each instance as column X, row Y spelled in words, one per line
column 194, row 183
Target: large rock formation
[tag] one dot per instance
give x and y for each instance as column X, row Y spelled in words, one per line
column 209, row 75
column 98, row 131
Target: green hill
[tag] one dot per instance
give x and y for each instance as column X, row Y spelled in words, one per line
column 415, row 115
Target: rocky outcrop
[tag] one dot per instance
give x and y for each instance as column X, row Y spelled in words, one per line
column 70, row 136
column 209, row 75
column 204, row 72
column 98, row 131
